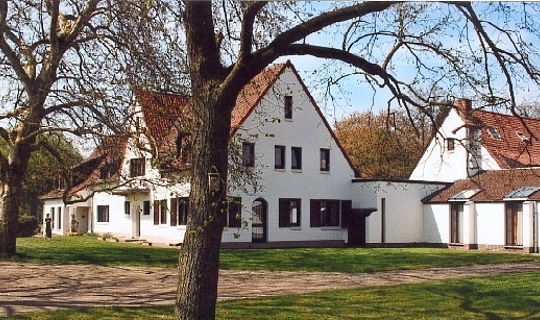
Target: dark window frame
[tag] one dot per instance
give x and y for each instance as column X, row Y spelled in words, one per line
column 137, row 167
column 296, row 158
column 324, row 159
column 288, row 107
column 127, row 208
column 279, row 157
column 287, row 216
column 103, row 213
column 146, row 208
column 450, row 144
column 248, row 154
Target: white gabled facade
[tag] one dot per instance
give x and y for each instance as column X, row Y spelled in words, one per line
column 455, row 152
column 304, row 180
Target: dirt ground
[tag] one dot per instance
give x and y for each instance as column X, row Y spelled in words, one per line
column 29, row 287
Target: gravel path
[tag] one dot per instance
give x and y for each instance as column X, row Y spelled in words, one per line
column 29, row 287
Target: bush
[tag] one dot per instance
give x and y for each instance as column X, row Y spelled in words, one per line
column 28, row 226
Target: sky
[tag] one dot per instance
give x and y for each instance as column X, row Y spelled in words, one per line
column 360, row 97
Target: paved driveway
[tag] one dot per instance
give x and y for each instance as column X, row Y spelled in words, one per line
column 29, row 287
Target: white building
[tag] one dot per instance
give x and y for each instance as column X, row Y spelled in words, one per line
column 304, row 192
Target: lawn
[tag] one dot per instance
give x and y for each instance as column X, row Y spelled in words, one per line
column 89, row 250
column 499, row 297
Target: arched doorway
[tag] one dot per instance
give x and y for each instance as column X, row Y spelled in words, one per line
column 258, row 223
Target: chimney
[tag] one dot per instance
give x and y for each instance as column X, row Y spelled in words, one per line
column 464, row 107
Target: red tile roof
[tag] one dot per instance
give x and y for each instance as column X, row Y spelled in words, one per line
column 492, row 185
column 516, row 148
column 108, row 154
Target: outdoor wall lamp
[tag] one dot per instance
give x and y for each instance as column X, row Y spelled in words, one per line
column 214, row 183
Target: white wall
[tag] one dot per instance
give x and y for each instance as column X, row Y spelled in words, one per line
column 403, row 216
column 308, row 131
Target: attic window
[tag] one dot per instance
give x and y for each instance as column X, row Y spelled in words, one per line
column 464, row 194
column 183, row 146
column 522, row 192
column 288, row 107
column 494, row 133
column 523, row 137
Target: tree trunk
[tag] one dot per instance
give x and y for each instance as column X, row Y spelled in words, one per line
column 11, row 176
column 199, row 258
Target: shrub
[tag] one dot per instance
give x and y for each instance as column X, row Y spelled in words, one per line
column 28, row 226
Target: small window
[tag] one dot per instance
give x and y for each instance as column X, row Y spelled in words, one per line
column 279, row 156
column 59, row 218
column 450, row 144
column 183, row 147
column 289, row 212
column 162, row 211
column 183, row 209
column 102, row 213
column 288, row 107
column 494, row 133
column 127, row 208
column 296, row 158
column 146, row 208
column 523, row 137
column 248, row 154
column 325, row 159
column 234, row 219
column 108, row 170
column 137, row 167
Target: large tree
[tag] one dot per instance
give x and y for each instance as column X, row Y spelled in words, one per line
column 466, row 49
column 61, row 69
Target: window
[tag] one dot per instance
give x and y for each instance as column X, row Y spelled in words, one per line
column 289, row 212
column 127, row 208
column 102, row 213
column 288, row 107
column 234, row 212
column 183, row 146
column 137, row 167
column 108, row 170
column 59, row 218
column 456, row 222
column 514, row 223
column 146, row 208
column 296, row 158
column 248, row 154
column 52, row 217
column 450, row 144
column 160, row 212
column 523, row 137
column 329, row 213
column 279, row 157
column 325, row 159
column 494, row 133
column 179, row 211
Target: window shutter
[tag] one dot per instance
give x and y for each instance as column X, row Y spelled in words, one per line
column 156, row 212
column 284, row 213
column 315, row 213
column 346, row 207
column 174, row 211
column 235, row 220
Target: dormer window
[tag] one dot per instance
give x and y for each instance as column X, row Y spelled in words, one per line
column 494, row 133
column 183, row 146
column 288, row 107
column 137, row 167
column 523, row 137
column 450, row 144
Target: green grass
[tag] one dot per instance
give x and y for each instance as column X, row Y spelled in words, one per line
column 499, row 297
column 89, row 250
